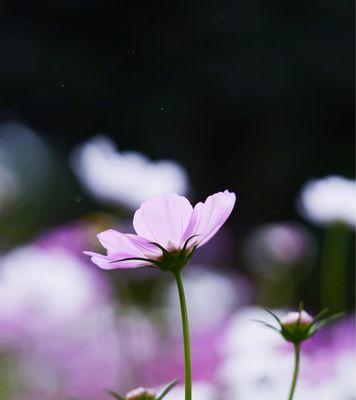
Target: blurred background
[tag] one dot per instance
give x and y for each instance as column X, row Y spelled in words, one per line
column 105, row 103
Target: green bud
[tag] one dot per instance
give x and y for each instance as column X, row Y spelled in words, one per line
column 298, row 326
column 295, row 326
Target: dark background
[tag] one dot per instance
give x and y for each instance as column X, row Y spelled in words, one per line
column 255, row 96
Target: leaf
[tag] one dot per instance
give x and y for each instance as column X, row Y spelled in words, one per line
column 273, row 315
column 114, row 395
column 325, row 321
column 319, row 316
column 267, row 325
column 168, row 388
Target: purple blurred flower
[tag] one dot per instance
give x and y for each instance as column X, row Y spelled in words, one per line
column 212, row 297
column 57, row 323
column 73, row 237
column 332, row 344
column 219, row 251
column 167, row 221
column 74, row 360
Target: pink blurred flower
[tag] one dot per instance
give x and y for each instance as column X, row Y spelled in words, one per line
column 333, row 348
column 72, row 236
column 164, row 223
column 272, row 250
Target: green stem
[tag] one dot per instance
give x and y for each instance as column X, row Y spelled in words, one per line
column 296, row 370
column 334, row 267
column 186, row 337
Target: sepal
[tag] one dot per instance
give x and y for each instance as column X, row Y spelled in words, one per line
column 168, row 388
column 114, row 395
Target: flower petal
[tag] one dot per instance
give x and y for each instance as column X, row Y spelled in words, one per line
column 163, row 219
column 121, row 247
column 207, row 218
column 111, row 262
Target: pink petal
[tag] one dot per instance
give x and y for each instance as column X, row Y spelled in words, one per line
column 207, row 218
column 114, row 242
column 163, row 219
column 111, row 262
column 122, row 246
column 147, row 249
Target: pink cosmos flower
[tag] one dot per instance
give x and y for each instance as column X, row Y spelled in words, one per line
column 168, row 230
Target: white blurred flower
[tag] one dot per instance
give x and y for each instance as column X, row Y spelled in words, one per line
column 126, row 178
column 41, row 286
column 140, row 343
column 340, row 385
column 345, row 381
column 328, row 200
column 257, row 364
column 211, row 297
column 200, row 391
column 253, row 368
column 243, row 327
column 24, row 154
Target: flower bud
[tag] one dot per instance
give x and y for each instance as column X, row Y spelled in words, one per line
column 294, row 318
column 141, row 394
column 296, row 326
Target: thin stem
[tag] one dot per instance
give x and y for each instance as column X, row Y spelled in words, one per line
column 186, row 336
column 296, row 370
column 334, row 267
